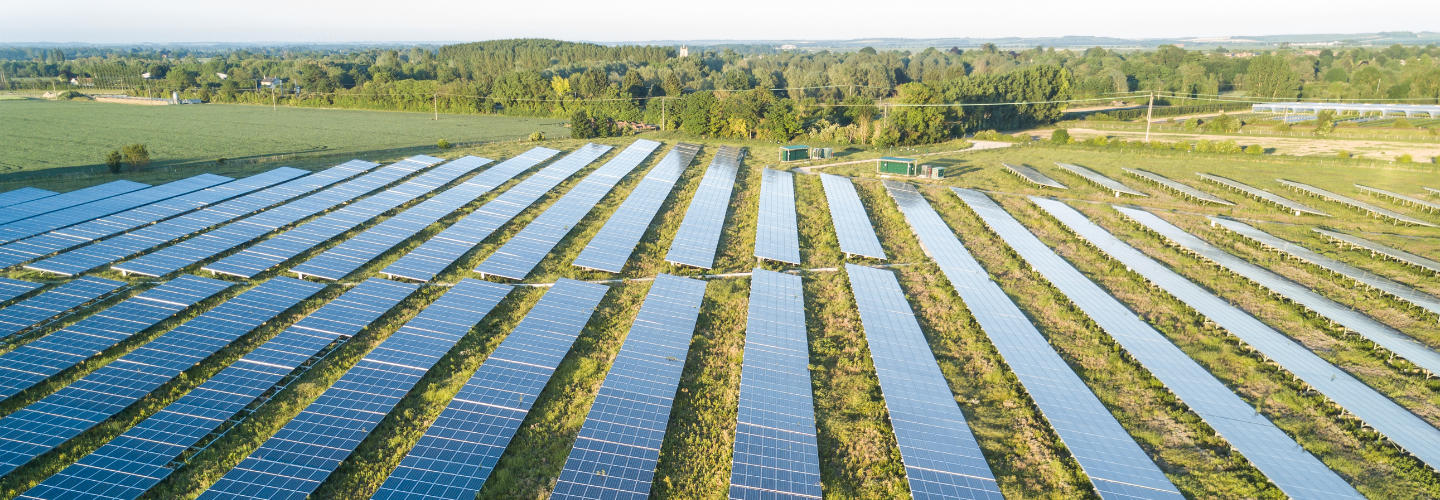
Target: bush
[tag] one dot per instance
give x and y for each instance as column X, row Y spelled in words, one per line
column 1060, row 136
column 112, row 161
column 443, row 144
column 136, row 155
column 1343, row 154
column 537, row 136
column 1405, row 158
column 1254, row 149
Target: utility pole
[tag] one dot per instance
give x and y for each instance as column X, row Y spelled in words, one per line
column 664, row 113
column 1148, row 110
column 274, row 106
column 435, row 101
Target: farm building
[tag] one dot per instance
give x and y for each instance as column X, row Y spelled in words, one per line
column 896, row 165
column 794, row 153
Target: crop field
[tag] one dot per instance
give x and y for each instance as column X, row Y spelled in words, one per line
column 571, row 382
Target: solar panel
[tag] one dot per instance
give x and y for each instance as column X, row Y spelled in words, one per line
column 1398, row 343
column 59, row 417
column 1178, row 187
column 619, row 444
column 699, row 232
column 1101, row 180
column 1354, row 203
column 35, row 361
column 91, row 256
column 940, row 455
column 23, row 195
column 519, row 255
column 141, row 457
column 86, row 211
column 282, row 247
column 1376, row 410
column 1117, row 467
column 1432, row 191
column 777, row 235
column 294, row 461
column 10, row 289
column 852, row 223
column 457, row 453
column 1263, row 195
column 239, row 232
column 1029, row 174
column 775, row 451
column 1387, row 251
column 49, row 204
column 1404, row 199
column 346, row 257
column 53, row 302
column 438, row 253
column 62, row 239
column 612, row 246
column 1296, row 472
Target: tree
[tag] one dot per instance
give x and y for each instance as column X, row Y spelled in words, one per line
column 112, row 161
column 1271, row 77
column 560, row 85
column 1060, row 136
column 136, row 155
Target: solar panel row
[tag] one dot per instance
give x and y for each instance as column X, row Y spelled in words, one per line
column 59, row 240
column 282, row 247
column 1353, row 203
column 10, row 289
column 293, row 462
column 23, row 195
column 140, row 458
column 1101, row 180
column 1178, row 187
column 346, row 257
column 438, row 253
column 941, row 457
column 612, row 246
column 457, row 452
column 59, row 417
column 99, row 208
column 53, row 302
column 1296, row 472
column 1404, row 199
column 847, row 214
column 776, row 455
column 1375, row 409
column 1383, row 250
column 1263, row 195
column 619, row 444
column 777, row 233
column 49, row 204
column 110, row 250
column 522, row 252
column 239, row 232
column 699, row 232
column 1029, row 174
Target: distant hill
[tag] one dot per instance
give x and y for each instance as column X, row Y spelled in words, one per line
column 1231, row 42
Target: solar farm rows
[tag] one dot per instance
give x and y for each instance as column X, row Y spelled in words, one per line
column 142, row 325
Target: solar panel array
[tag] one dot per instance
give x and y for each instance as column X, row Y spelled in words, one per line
column 102, row 394
column 776, row 455
column 1292, row 469
column 1385, row 336
column 346, row 257
column 1354, row 203
column 49, row 204
column 99, row 208
column 852, row 223
column 1428, row 206
column 699, row 233
column 294, row 461
column 438, row 253
column 282, row 247
column 941, row 457
column 1178, row 187
column 1263, row 195
column 619, row 444
column 105, row 252
column 138, row 459
column 612, row 246
column 1403, row 292
column 1101, row 180
column 51, row 303
column 1029, row 174
column 1117, row 467
column 10, row 289
column 777, row 233
column 1376, row 248
column 457, row 453
column 1378, row 411
column 23, row 195
column 28, row 249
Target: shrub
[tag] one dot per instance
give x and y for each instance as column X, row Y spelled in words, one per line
column 136, row 155
column 443, row 144
column 1405, row 158
column 1343, row 154
column 112, row 161
column 537, row 136
column 1254, row 149
column 1060, row 136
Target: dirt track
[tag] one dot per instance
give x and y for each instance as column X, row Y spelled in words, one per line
column 1297, row 146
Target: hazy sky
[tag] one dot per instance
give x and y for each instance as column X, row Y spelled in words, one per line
column 609, row 20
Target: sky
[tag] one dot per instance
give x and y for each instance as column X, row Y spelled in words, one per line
column 136, row 21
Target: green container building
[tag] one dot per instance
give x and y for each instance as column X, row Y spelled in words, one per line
column 894, row 165
column 794, row 153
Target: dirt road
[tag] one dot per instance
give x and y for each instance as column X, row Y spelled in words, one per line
column 1296, row 146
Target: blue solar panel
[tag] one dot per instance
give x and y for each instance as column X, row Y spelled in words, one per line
column 776, row 455
column 1117, row 467
column 699, row 232
column 105, row 206
column 49, row 204
column 941, row 457
column 777, row 235
column 523, row 251
column 173, row 258
column 612, row 246
column 852, row 223
column 286, row 245
column 23, row 195
column 294, row 461
column 10, row 289
column 102, row 394
column 619, row 444
column 51, row 303
column 439, row 252
column 137, row 460
column 59, row 240
column 346, row 257
column 1279, row 457
column 1374, row 248
column 105, row 252
column 457, row 452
